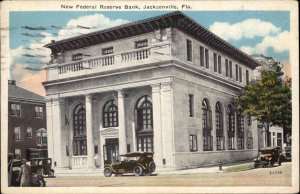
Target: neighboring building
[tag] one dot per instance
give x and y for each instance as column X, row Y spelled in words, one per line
column 164, row 84
column 27, row 135
column 275, row 135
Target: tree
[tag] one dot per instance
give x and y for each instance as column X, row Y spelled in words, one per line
column 268, row 99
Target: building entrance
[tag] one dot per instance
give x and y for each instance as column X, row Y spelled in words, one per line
column 111, row 150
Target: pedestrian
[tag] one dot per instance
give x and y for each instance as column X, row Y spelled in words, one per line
column 25, row 174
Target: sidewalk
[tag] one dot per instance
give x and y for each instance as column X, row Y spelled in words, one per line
column 99, row 171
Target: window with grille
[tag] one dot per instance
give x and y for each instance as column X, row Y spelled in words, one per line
column 215, row 62
column 240, row 74
column 144, row 113
column 226, row 68
column 206, row 58
column 219, row 126
column 240, row 143
column 249, row 143
column 207, row 143
column 193, row 143
column 230, row 69
column 41, row 138
column 230, row 127
column 201, row 56
column 240, row 125
column 206, row 115
column 15, row 109
column 38, row 111
column 219, row 64
column 145, row 144
column 110, row 114
column 230, row 143
column 141, row 43
column 107, row 51
column 236, row 72
column 220, row 143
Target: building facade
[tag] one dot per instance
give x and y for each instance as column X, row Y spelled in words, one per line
column 164, row 84
column 27, row 134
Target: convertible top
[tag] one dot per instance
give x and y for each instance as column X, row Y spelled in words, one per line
column 135, row 154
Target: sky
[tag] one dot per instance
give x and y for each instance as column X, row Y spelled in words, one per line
column 254, row 32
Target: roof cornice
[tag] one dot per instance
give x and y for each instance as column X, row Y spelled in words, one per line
column 174, row 19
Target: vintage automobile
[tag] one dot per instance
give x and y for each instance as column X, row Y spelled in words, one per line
column 138, row 163
column 14, row 170
column 42, row 166
column 268, row 156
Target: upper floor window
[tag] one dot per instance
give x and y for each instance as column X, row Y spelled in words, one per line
column 29, row 132
column 206, row 58
column 144, row 113
column 230, row 69
column 141, row 43
column 191, row 105
column 202, row 56
column 240, row 74
column 41, row 137
column 107, row 51
column 230, row 120
column 17, row 132
column 247, row 77
column 18, row 154
column 215, row 62
column 206, row 115
column 79, row 120
column 189, row 50
column 219, row 64
column 38, row 111
column 77, row 57
column 110, row 114
column 226, row 68
column 236, row 72
column 193, row 143
column 15, row 109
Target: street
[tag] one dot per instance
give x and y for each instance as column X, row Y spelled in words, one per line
column 270, row 176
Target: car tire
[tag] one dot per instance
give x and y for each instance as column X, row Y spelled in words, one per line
column 40, row 172
column 107, row 172
column 151, row 167
column 42, row 183
column 51, row 174
column 137, row 171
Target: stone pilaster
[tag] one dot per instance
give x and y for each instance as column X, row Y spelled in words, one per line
column 56, row 132
column 50, row 130
column 122, row 129
column 89, row 131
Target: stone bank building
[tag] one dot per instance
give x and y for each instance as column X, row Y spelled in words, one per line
column 163, row 85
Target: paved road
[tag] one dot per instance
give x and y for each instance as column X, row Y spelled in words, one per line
column 271, row 176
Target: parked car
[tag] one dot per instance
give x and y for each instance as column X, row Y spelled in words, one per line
column 268, row 156
column 138, row 163
column 14, row 170
column 288, row 153
column 42, row 166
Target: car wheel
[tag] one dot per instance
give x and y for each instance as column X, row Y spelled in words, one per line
column 40, row 172
column 42, row 183
column 51, row 174
column 137, row 171
column 107, row 172
column 151, row 167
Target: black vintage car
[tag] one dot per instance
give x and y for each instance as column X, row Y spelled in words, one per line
column 14, row 168
column 268, row 156
column 138, row 163
column 42, row 166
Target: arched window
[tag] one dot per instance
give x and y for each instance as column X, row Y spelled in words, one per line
column 219, row 126
column 240, row 129
column 110, row 114
column 230, row 127
column 144, row 124
column 79, row 136
column 206, row 126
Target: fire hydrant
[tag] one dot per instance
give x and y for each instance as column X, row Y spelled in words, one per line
column 220, row 165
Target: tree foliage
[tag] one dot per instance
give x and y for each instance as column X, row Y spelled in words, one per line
column 268, row 98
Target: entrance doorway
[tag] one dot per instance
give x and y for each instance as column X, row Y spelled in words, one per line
column 111, row 150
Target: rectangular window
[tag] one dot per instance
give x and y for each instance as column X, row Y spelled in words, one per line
column 249, row 143
column 247, row 77
column 18, row 154
column 201, row 56
column 38, row 111
column 145, row 144
column 191, row 105
column 249, row 120
column 226, row 68
column 230, row 143
column 77, row 57
column 240, row 143
column 193, row 143
column 107, row 51
column 206, row 58
column 219, row 64
column 15, row 109
column 141, row 43
column 17, row 132
column 220, row 143
column 230, row 69
column 29, row 132
column 215, row 62
column 189, row 50
column 240, row 74
column 207, row 143
column 236, row 72
column 279, row 139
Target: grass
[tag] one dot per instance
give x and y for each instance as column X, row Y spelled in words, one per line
column 239, row 168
